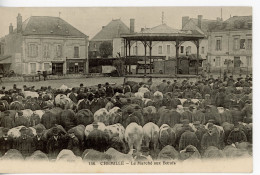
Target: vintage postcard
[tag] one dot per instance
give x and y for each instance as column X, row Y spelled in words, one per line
column 126, row 89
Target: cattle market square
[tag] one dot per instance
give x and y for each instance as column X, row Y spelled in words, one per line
column 154, row 96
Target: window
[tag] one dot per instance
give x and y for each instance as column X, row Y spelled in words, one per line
column 242, row 44
column 33, row 68
column 218, row 44
column 160, row 50
column 76, row 52
column 168, row 49
column 46, row 51
column 58, row 51
column 182, row 49
column 249, row 44
column 202, row 50
column 46, row 66
column 249, row 60
column 217, row 62
column 33, row 50
column 236, row 43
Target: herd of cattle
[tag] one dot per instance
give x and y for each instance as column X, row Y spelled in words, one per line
column 134, row 121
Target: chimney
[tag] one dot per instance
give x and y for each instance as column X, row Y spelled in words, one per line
column 132, row 25
column 185, row 20
column 199, row 21
column 19, row 23
column 11, row 28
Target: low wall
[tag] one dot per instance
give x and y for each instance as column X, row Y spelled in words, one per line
column 157, row 79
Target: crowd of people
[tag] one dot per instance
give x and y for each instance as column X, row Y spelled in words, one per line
column 173, row 120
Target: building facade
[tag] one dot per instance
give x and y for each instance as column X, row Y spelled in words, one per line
column 110, row 34
column 230, row 44
column 43, row 43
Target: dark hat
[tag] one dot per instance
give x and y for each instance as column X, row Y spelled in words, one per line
column 23, row 129
column 81, row 84
column 107, row 83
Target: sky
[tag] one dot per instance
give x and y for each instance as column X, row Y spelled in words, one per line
column 90, row 20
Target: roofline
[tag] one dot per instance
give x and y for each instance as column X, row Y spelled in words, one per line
column 56, row 35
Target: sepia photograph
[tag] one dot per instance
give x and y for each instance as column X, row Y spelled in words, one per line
column 126, row 89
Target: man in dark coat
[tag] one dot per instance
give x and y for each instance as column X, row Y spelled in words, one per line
column 7, row 97
column 7, row 121
column 20, row 120
column 73, row 96
column 236, row 136
column 48, row 119
column 188, row 138
column 74, row 143
column 24, row 143
column 6, row 142
column 55, row 144
column 210, row 138
column 109, row 90
column 39, row 141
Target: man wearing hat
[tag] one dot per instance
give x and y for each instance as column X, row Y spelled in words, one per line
column 24, row 143
column 39, row 141
column 200, row 130
column 20, row 120
column 56, row 143
column 6, row 142
column 210, row 138
column 73, row 96
column 48, row 118
column 7, row 97
column 7, row 121
column 109, row 90
column 73, row 143
column 197, row 115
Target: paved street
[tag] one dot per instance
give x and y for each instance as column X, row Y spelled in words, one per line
column 68, row 82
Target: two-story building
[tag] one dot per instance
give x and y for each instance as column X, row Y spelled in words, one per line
column 44, row 43
column 230, row 43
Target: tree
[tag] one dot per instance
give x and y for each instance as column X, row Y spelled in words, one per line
column 105, row 49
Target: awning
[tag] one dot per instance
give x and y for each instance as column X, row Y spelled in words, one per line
column 5, row 59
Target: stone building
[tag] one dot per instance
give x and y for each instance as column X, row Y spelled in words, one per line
column 44, row 43
column 230, row 43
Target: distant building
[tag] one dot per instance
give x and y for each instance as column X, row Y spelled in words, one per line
column 43, row 43
column 201, row 25
column 231, row 40
column 111, row 34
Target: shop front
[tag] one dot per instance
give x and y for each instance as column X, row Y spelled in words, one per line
column 76, row 66
column 57, row 67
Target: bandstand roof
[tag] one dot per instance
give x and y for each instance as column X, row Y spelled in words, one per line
column 164, row 33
